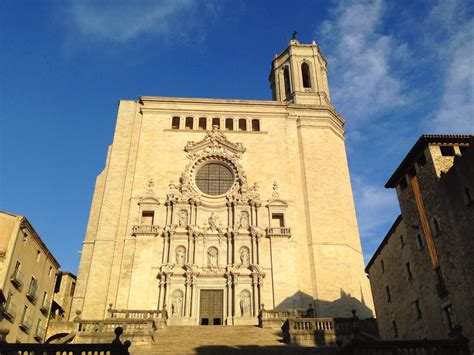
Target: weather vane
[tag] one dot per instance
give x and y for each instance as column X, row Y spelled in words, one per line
column 294, row 34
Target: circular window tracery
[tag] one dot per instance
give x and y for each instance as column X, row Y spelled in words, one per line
column 214, row 179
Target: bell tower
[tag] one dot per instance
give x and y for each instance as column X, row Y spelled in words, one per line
column 298, row 75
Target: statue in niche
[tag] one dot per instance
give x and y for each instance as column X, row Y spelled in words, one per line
column 180, row 255
column 275, row 193
column 245, row 304
column 177, row 304
column 183, row 218
column 244, row 220
column 244, row 256
column 213, row 220
column 212, row 254
column 150, row 187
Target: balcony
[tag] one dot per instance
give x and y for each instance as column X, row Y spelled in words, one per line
column 39, row 334
column 145, row 229
column 278, row 232
column 10, row 311
column 45, row 307
column 32, row 292
column 25, row 324
column 17, row 279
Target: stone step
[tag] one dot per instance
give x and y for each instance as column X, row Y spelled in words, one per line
column 222, row 340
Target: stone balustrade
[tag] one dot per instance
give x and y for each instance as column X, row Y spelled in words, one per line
column 145, row 229
column 278, row 232
column 275, row 318
column 134, row 314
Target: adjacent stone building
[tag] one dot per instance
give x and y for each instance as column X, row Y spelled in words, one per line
column 422, row 274
column 210, row 208
column 27, row 277
column 63, row 293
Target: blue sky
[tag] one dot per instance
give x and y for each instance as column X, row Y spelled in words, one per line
column 397, row 69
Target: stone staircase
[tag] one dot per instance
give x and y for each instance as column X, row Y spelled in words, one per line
column 222, row 340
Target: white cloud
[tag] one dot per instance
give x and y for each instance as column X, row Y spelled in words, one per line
column 122, row 20
column 364, row 82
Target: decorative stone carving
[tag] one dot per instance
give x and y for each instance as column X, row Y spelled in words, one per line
column 212, row 257
column 150, row 188
column 180, row 255
column 275, row 194
column 177, row 304
column 213, row 221
column 245, row 303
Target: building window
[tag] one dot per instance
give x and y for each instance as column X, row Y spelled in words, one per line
column 387, row 292
column 214, row 179
column 412, row 172
column 25, row 238
column 394, row 329
column 203, row 123
column 449, row 316
column 419, row 239
column 50, row 271
column 417, row 309
column 278, row 220
column 242, row 124
column 38, row 255
column 436, row 228
column 175, row 122
column 447, row 150
column 305, row 72
column 255, row 125
column 189, row 123
column 286, row 81
column 402, row 241
column 463, row 149
column 216, row 122
column 421, row 161
column 409, row 273
column 467, row 196
column 73, row 288
column 403, row 184
column 382, row 265
column 32, row 290
column 229, row 124
column 148, row 218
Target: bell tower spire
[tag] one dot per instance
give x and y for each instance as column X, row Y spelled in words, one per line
column 298, row 74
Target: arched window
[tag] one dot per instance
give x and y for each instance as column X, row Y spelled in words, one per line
column 286, row 80
column 255, row 125
column 175, row 122
column 216, row 122
column 229, row 124
column 305, row 73
column 203, row 123
column 189, row 123
column 242, row 124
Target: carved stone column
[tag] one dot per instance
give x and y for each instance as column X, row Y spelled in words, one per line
column 188, row 297
column 254, row 294
column 228, row 284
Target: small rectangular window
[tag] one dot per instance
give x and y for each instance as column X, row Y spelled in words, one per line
column 449, row 316
column 278, row 220
column 421, row 161
column 419, row 239
column 38, row 255
column 73, row 287
column 387, row 292
column 203, row 123
column 382, row 265
column 447, row 150
column 242, row 124
column 216, row 123
column 409, row 273
column 403, row 183
column 175, row 122
column 148, row 218
column 436, row 227
column 394, row 329
column 402, row 241
column 50, row 272
column 189, row 123
column 412, row 172
column 417, row 309
column 255, row 125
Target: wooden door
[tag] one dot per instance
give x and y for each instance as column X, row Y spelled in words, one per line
column 211, row 307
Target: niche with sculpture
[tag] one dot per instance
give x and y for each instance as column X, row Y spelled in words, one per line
column 183, row 218
column 245, row 301
column 212, row 257
column 180, row 255
column 177, row 304
column 244, row 253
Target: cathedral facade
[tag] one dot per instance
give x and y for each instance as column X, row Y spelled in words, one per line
column 213, row 208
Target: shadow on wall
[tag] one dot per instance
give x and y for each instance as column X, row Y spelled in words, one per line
column 342, row 307
column 258, row 350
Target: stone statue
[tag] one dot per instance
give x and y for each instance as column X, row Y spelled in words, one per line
column 244, row 219
column 150, row 187
column 245, row 304
column 244, row 256
column 275, row 193
column 180, row 255
column 212, row 257
column 213, row 220
column 183, row 218
column 177, row 305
